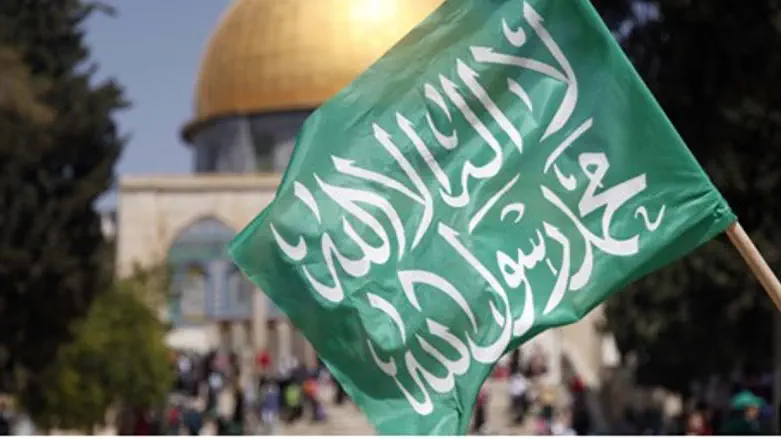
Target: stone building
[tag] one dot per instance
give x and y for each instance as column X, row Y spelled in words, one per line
column 268, row 64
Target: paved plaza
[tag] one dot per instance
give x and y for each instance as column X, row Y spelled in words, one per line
column 347, row 419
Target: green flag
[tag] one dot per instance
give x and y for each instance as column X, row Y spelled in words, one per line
column 500, row 171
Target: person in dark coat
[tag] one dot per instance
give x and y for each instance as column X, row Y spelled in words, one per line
column 193, row 421
column 581, row 418
column 341, row 395
column 744, row 419
column 5, row 420
column 515, row 362
column 481, row 412
column 238, row 410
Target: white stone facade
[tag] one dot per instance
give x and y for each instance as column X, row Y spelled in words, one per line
column 152, row 211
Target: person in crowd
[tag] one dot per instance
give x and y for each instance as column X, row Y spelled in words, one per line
column 538, row 363
column 5, row 419
column 545, row 418
column 174, row 419
column 561, row 425
column 744, row 418
column 237, row 421
column 142, row 424
column 629, row 425
column 222, row 363
column 263, row 362
column 125, row 421
column 293, row 402
column 322, row 370
column 716, row 418
column 652, row 420
column 223, row 426
column 516, row 362
column 300, row 372
column 234, row 365
column 519, row 402
column 156, row 422
column 481, row 412
column 581, row 418
column 340, row 395
column 192, row 420
column 536, row 369
column 269, row 405
column 184, row 367
column 208, row 363
column 311, row 397
column 213, row 389
column 697, row 424
column 285, row 379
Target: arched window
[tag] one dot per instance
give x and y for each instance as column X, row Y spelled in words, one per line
column 194, row 258
column 192, row 293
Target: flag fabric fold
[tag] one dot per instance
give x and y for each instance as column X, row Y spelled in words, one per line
column 500, row 171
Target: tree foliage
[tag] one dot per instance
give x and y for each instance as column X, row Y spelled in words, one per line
column 118, row 359
column 58, row 146
column 714, row 66
column 20, row 93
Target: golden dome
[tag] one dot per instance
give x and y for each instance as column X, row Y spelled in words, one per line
column 280, row 55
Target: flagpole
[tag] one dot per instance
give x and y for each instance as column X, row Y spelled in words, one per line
column 769, row 281
column 756, row 262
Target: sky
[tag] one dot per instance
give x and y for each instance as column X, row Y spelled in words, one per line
column 153, row 48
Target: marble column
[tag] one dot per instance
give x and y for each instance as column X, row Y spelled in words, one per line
column 303, row 350
column 311, row 355
column 242, row 346
column 226, row 336
column 259, row 321
column 272, row 346
column 555, row 353
column 284, row 340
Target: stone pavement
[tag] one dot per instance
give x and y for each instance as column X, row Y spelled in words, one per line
column 349, row 420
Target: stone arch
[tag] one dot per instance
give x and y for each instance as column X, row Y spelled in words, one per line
column 181, row 224
column 208, row 226
column 200, row 266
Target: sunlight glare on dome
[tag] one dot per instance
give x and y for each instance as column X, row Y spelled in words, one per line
column 372, row 10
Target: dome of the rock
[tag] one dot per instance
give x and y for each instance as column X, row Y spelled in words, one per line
column 273, row 56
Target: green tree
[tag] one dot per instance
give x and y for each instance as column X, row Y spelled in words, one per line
column 117, row 360
column 20, row 93
column 714, row 65
column 58, row 147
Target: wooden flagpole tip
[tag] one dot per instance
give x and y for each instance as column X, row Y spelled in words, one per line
column 756, row 262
